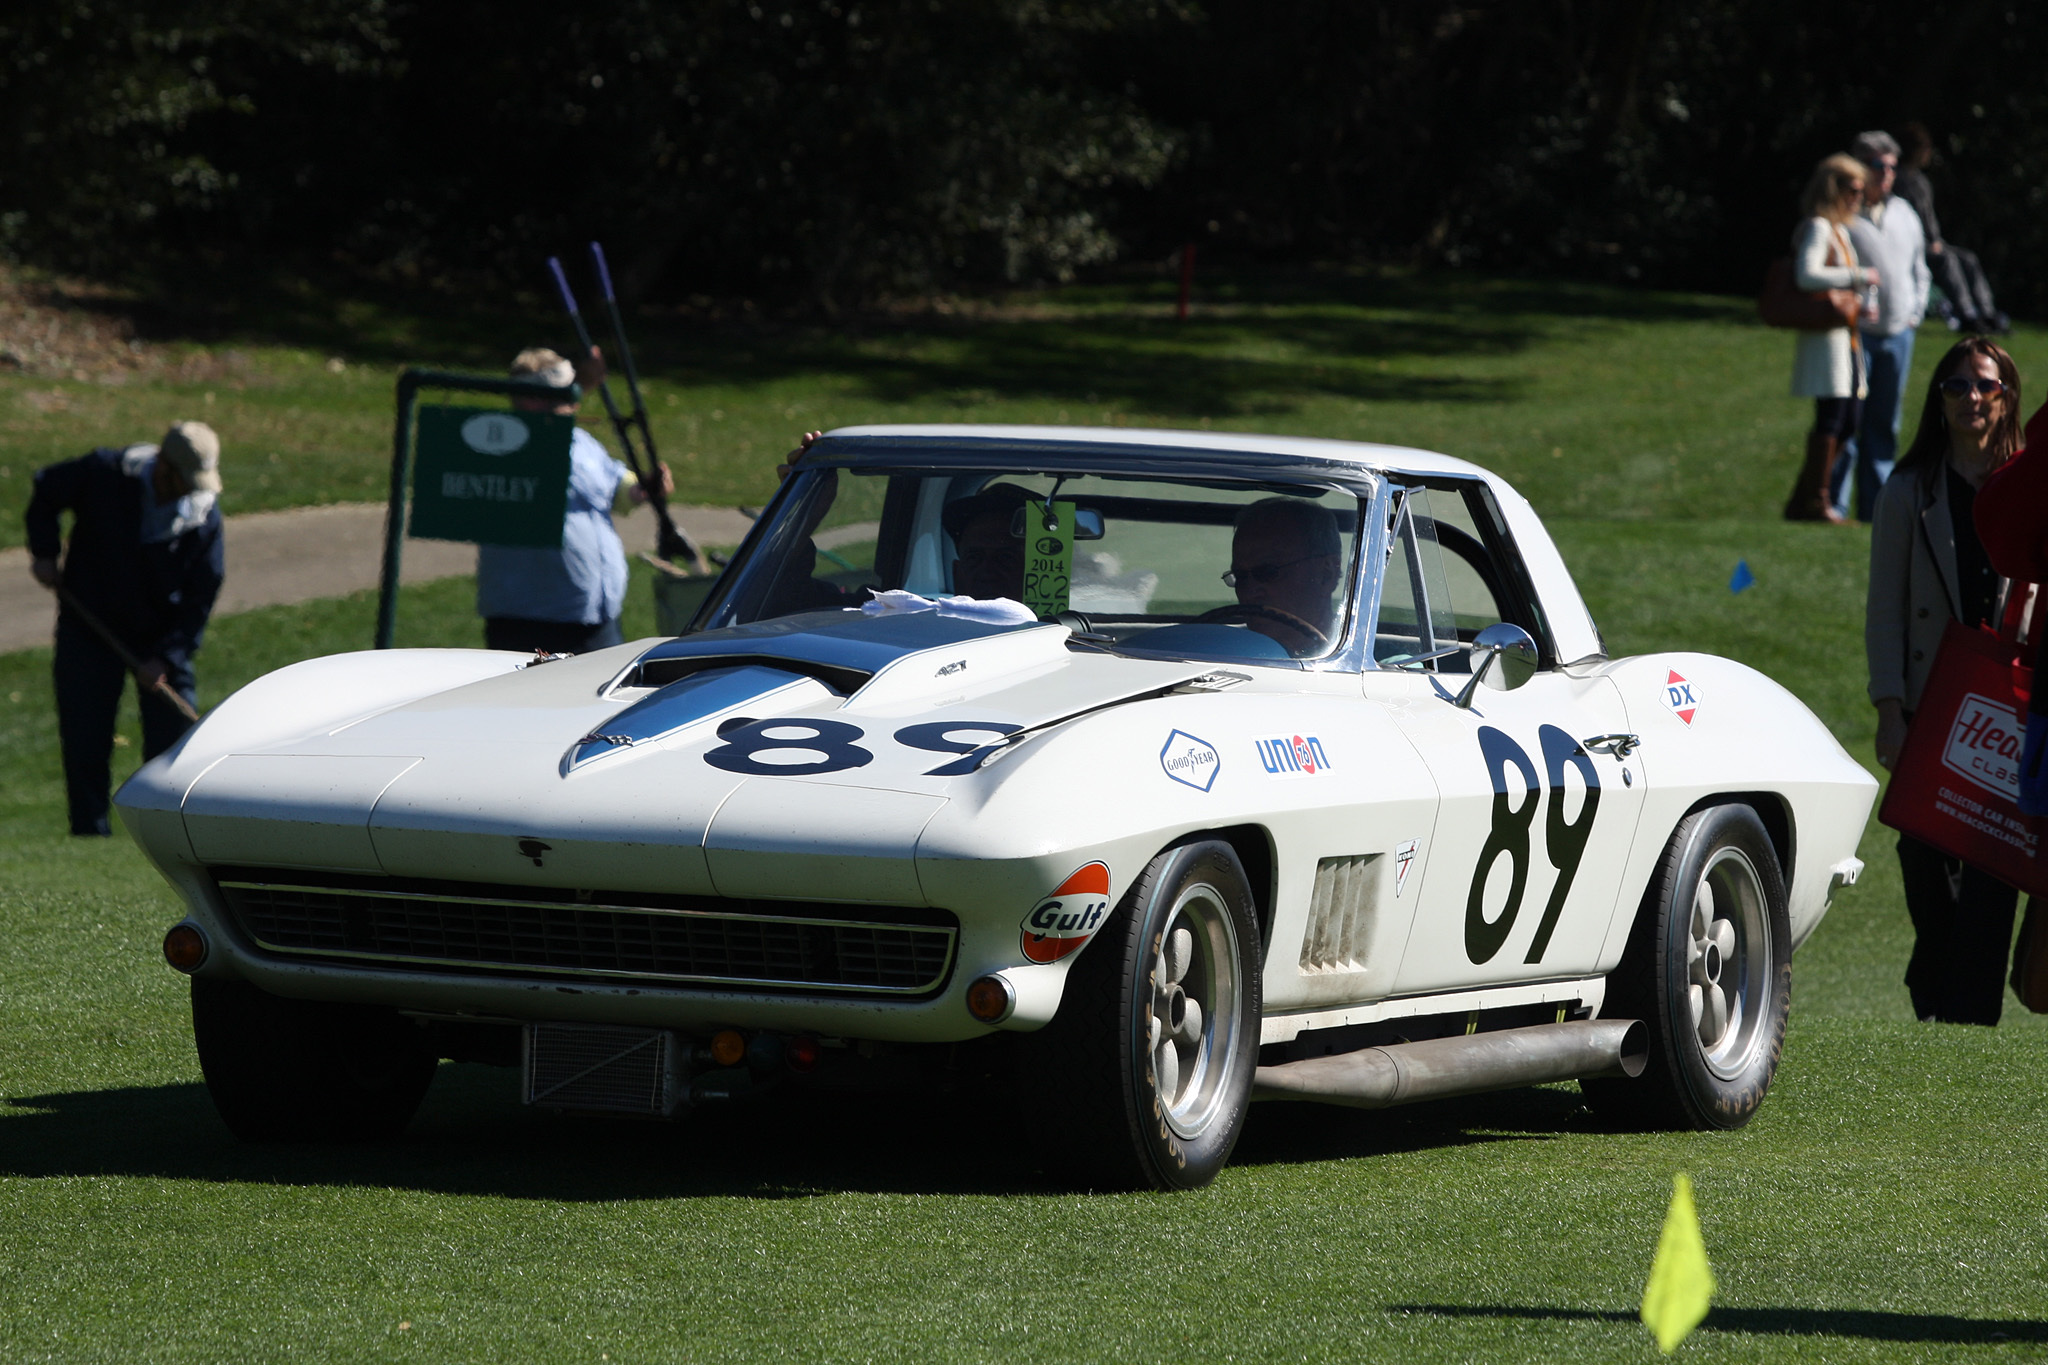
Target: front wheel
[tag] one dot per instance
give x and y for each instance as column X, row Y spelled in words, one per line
column 1709, row 967
column 1143, row 1078
column 282, row 1070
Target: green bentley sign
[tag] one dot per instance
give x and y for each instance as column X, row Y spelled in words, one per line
column 490, row 475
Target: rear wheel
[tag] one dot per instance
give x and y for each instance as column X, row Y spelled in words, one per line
column 1709, row 967
column 1143, row 1078
column 283, row 1070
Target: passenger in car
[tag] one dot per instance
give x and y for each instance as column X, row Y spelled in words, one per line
column 1286, row 559
column 989, row 558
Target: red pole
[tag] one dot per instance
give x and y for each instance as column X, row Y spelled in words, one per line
column 1187, row 278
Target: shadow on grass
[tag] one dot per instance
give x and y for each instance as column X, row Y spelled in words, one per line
column 473, row 1137
column 1862, row 1323
column 1263, row 340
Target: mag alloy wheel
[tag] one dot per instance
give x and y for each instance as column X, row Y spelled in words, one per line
column 1191, row 1022
column 1728, row 963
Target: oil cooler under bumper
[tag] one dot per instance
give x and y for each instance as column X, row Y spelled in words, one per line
column 603, row 1067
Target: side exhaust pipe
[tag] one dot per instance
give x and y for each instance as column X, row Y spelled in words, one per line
column 1403, row 1073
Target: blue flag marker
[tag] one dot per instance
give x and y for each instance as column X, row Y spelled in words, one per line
column 1743, row 578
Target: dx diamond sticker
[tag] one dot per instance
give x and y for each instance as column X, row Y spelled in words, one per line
column 1679, row 698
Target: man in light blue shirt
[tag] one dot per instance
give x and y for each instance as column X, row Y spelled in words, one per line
column 1886, row 234
column 567, row 600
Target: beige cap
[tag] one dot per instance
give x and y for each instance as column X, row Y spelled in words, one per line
column 194, row 451
column 549, row 367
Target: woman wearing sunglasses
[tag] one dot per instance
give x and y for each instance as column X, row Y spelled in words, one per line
column 1928, row 567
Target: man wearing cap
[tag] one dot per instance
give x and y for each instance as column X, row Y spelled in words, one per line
column 567, row 600
column 144, row 566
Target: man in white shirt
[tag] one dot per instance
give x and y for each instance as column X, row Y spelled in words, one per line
column 1887, row 234
column 567, row 600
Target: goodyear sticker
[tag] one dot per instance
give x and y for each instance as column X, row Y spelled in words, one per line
column 1189, row 760
column 1064, row 921
column 1679, row 697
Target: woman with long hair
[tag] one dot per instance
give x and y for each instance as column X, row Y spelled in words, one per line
column 1928, row 567
column 1827, row 366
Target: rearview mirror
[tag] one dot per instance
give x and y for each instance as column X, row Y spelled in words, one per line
column 1087, row 522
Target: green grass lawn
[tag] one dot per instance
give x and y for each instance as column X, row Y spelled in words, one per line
column 1884, row 1206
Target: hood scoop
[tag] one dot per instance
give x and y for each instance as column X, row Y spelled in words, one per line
column 867, row 660
column 691, row 700
column 842, row 649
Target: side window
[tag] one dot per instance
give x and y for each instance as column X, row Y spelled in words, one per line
column 1417, row 615
column 1477, row 596
column 1450, row 574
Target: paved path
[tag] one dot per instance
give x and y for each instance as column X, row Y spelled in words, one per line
column 281, row 557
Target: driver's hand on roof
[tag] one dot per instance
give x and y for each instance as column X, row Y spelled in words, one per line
column 789, row 461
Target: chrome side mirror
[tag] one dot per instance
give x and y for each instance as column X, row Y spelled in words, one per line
column 1511, row 647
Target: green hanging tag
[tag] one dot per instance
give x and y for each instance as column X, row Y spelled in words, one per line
column 1048, row 557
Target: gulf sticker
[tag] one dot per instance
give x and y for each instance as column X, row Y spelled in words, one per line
column 1678, row 696
column 1069, row 917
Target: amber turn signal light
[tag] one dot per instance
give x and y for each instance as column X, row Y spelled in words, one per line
column 990, row 999
column 185, row 947
column 728, row 1047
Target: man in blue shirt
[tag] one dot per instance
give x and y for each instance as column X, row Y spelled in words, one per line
column 1887, row 234
column 144, row 563
column 567, row 600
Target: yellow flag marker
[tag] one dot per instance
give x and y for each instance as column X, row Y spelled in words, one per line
column 1681, row 1282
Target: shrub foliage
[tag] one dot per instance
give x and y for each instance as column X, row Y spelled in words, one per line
column 832, row 151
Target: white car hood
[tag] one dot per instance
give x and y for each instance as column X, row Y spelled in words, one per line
column 581, row 772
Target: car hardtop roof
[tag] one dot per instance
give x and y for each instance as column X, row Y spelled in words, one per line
column 1131, row 448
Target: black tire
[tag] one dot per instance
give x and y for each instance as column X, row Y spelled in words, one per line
column 1708, row 967
column 1169, row 987
column 284, row 1070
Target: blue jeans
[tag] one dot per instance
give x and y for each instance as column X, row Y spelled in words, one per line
column 90, row 678
column 1876, row 447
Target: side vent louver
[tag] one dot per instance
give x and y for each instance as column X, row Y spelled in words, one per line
column 1341, row 914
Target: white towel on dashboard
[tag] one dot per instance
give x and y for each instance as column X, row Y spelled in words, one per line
column 996, row 611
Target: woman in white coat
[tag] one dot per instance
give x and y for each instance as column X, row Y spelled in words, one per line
column 1827, row 366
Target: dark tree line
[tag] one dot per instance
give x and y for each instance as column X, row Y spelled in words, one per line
column 831, row 151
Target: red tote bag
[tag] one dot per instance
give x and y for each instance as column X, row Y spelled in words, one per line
column 1957, row 783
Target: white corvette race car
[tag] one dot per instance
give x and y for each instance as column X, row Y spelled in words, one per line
column 1301, row 774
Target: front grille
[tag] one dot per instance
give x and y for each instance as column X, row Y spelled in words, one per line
column 690, row 940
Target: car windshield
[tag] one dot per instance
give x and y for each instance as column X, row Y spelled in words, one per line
column 1207, row 570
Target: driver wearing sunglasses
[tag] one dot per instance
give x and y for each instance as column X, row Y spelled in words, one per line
column 1286, row 559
